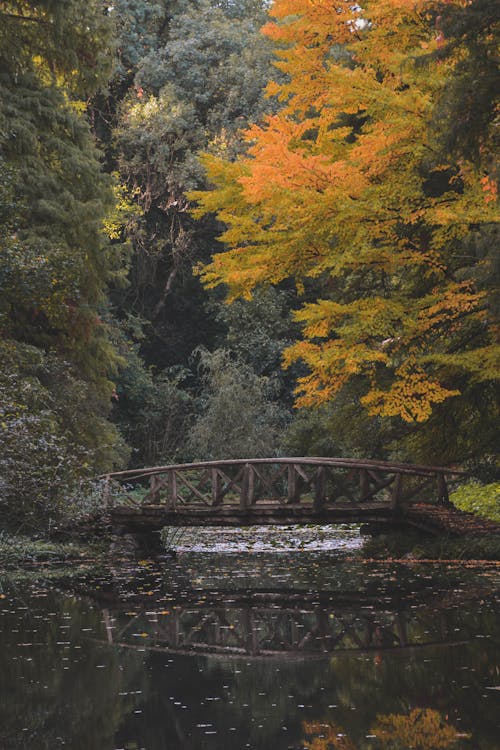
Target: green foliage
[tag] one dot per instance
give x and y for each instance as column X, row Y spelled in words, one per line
column 216, row 61
column 57, row 357
column 239, row 418
column 52, row 438
column 153, row 411
column 415, row 546
column 258, row 330
column 198, row 75
column 481, row 499
column 20, row 550
column 69, row 44
column 190, row 74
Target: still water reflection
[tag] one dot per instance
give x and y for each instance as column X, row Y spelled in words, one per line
column 287, row 651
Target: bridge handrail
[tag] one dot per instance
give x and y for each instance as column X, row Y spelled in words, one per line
column 400, row 468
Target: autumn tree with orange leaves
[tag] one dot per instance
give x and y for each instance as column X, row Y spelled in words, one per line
column 355, row 191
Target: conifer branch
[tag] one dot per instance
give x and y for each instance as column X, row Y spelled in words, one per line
column 18, row 17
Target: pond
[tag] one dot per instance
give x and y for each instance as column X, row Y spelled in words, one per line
column 273, row 645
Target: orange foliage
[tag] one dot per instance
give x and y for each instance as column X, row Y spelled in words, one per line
column 332, row 186
column 422, row 729
column 323, row 736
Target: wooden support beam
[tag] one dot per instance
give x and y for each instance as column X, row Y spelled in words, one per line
column 108, row 497
column 172, row 490
column 293, row 485
column 231, row 482
column 251, row 485
column 320, row 488
column 217, row 496
column 194, row 490
column 153, row 496
column 244, row 499
column 301, row 472
column 268, row 482
column 442, row 488
column 397, row 492
column 364, row 481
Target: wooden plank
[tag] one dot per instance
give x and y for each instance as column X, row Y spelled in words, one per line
column 108, row 496
column 409, row 493
column 153, row 495
column 377, row 488
column 341, row 486
column 231, row 482
column 300, row 471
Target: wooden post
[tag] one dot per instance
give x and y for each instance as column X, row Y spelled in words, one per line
column 364, row 484
column 251, row 485
column 172, row 490
column 293, row 485
column 244, row 488
column 216, row 488
column 153, row 496
column 396, row 492
column 442, row 487
column 108, row 497
column 319, row 488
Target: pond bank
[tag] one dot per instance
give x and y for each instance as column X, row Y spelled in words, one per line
column 405, row 547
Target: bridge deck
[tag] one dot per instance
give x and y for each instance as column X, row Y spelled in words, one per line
column 153, row 517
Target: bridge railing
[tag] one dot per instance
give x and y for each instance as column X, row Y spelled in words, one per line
column 315, row 481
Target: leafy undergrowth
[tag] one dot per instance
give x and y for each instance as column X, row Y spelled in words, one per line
column 415, row 546
column 19, row 550
column 480, row 499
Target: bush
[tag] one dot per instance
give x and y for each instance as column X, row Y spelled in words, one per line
column 481, row 499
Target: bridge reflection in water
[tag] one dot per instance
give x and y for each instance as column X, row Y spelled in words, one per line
column 294, row 626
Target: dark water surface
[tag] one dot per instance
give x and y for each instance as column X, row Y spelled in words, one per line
column 263, row 650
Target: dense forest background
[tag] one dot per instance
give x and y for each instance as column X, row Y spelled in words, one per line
column 113, row 352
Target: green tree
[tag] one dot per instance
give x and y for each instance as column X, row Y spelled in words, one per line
column 200, row 81
column 238, row 417
column 190, row 74
column 58, row 360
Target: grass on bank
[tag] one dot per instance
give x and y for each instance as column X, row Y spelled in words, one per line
column 20, row 550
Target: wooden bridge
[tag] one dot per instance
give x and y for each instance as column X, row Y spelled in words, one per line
column 245, row 492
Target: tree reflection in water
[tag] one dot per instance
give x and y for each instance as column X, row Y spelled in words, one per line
column 421, row 729
column 130, row 664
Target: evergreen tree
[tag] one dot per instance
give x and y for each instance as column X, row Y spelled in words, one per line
column 57, row 355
